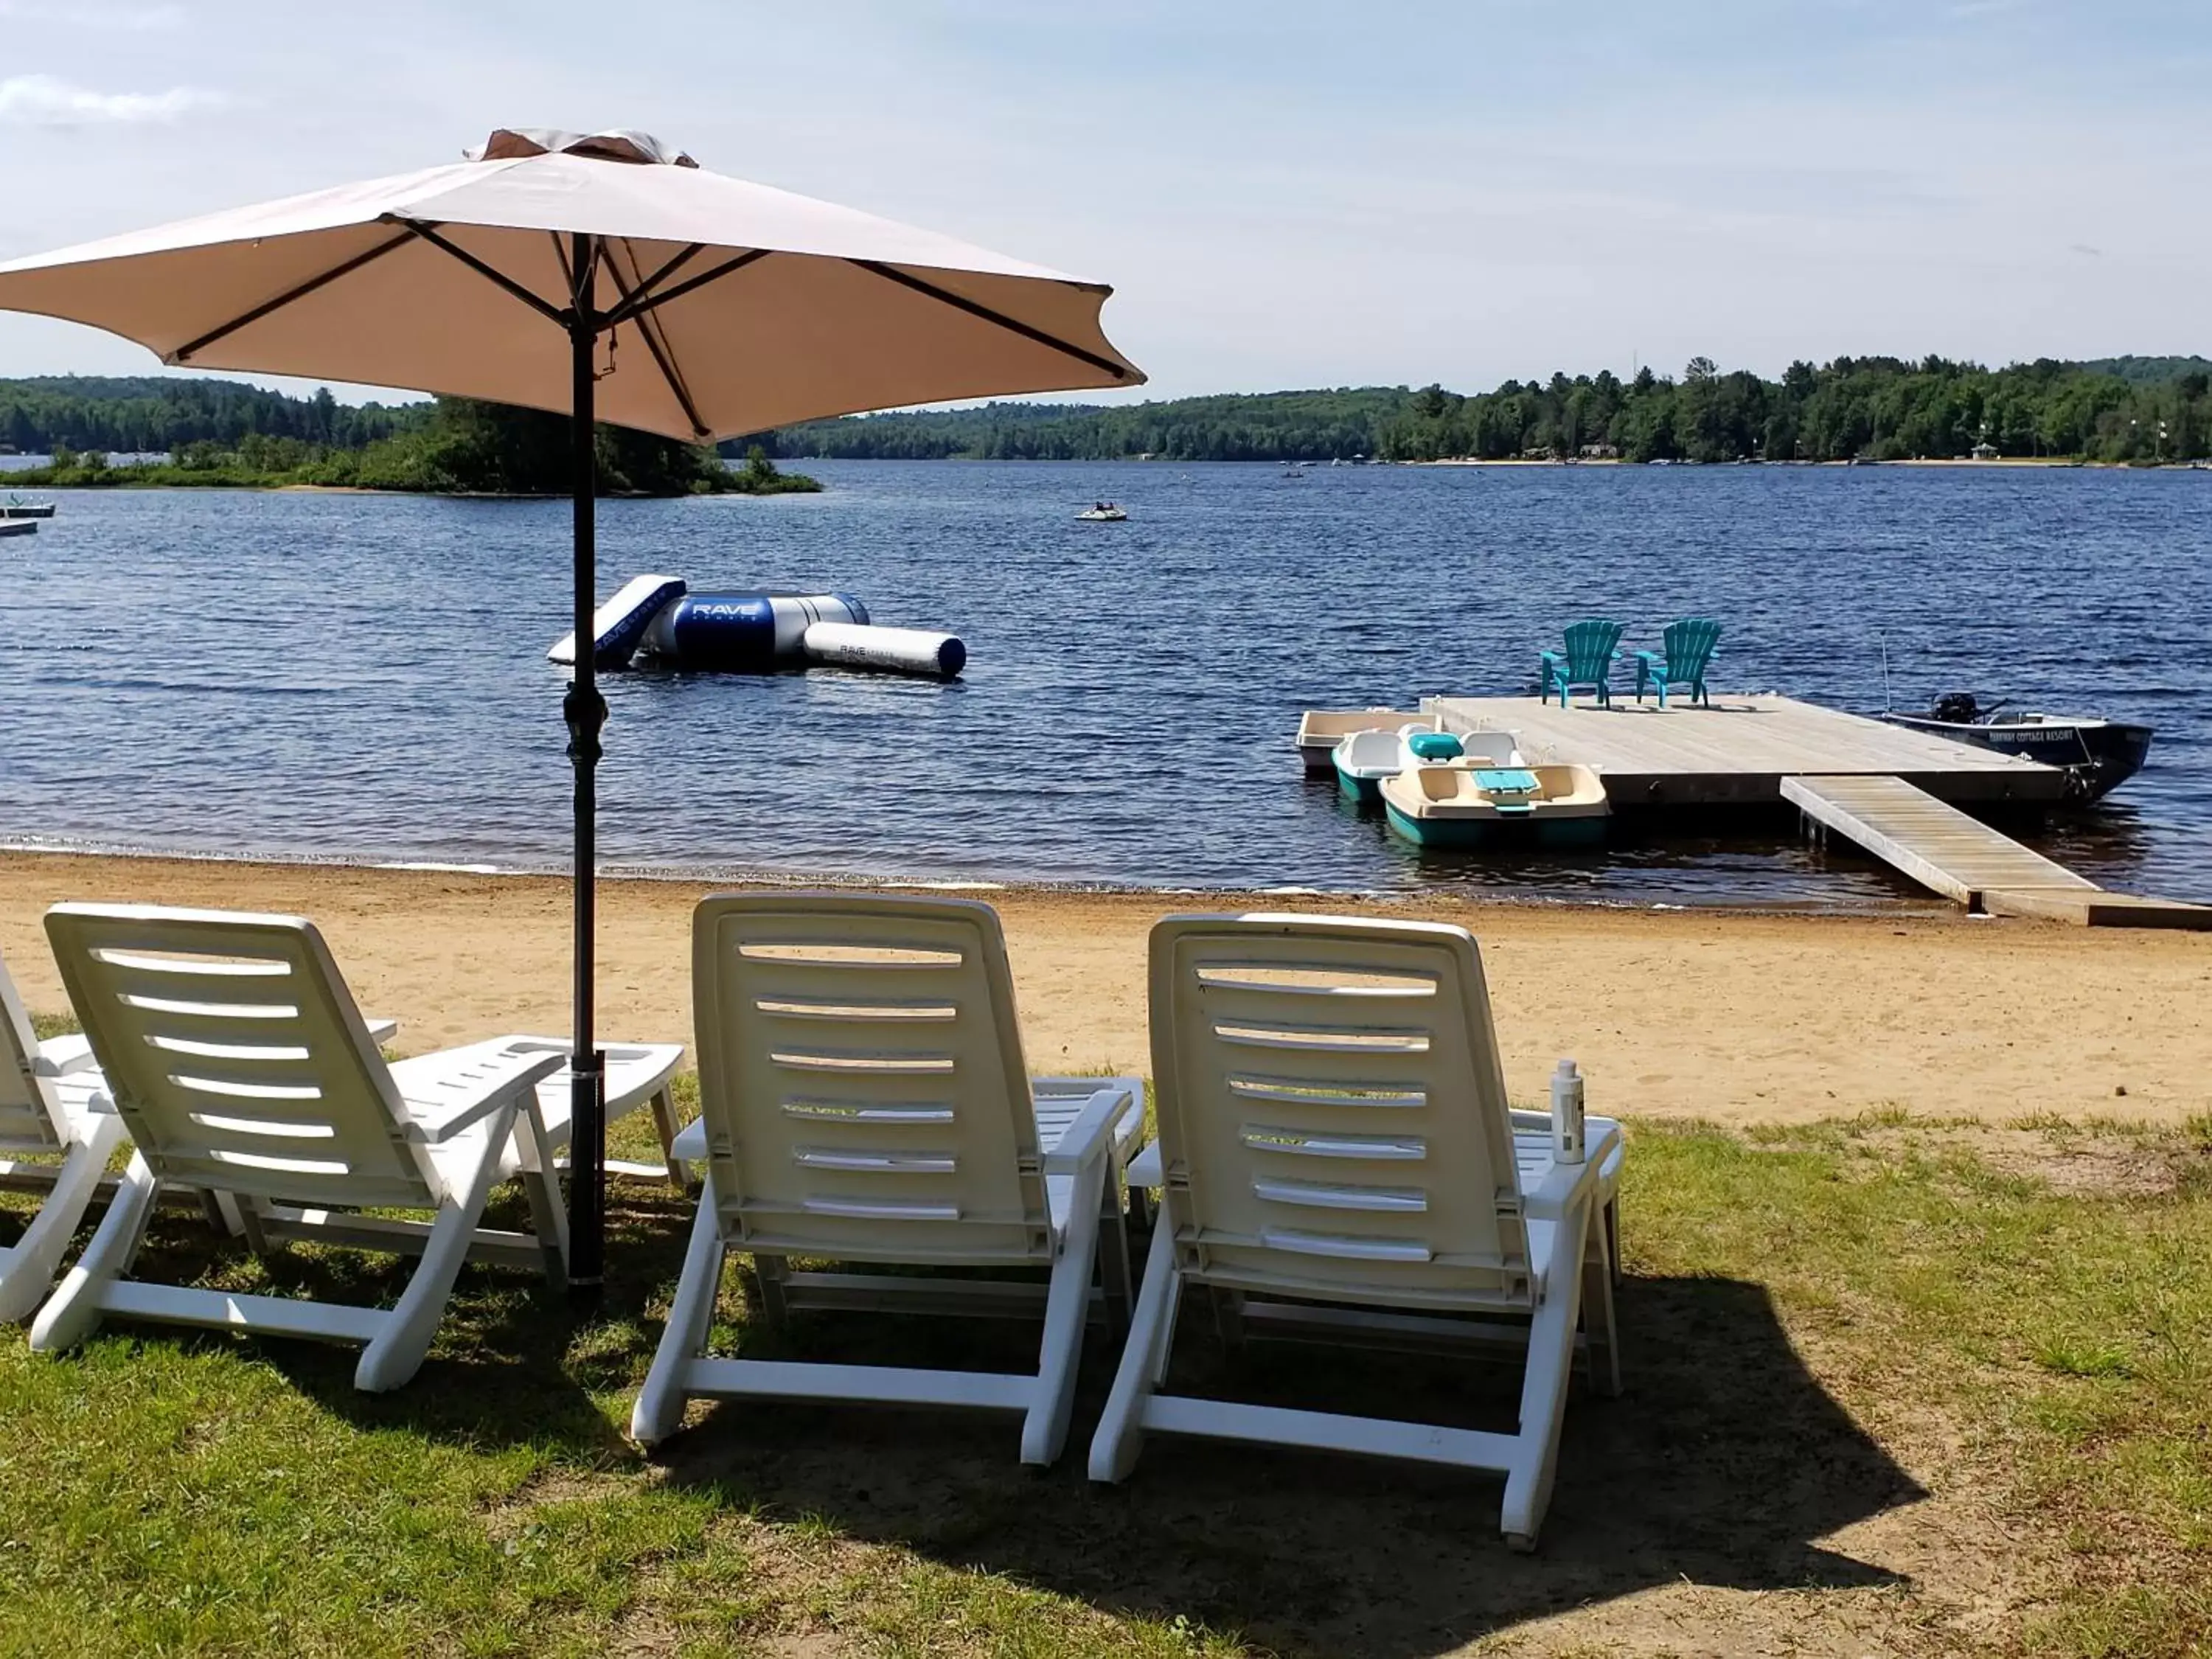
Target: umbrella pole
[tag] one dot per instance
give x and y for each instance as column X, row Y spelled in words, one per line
column 585, row 710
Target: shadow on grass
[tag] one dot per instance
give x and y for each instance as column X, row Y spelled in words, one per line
column 514, row 1362
column 1722, row 1463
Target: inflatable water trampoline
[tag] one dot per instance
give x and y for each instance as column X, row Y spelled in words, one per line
column 658, row 621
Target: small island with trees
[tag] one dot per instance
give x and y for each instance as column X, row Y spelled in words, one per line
column 215, row 433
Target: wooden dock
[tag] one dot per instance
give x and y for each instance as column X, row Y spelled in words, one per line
column 1935, row 843
column 1737, row 752
column 1894, row 791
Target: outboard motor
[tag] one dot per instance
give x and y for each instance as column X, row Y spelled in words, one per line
column 1957, row 708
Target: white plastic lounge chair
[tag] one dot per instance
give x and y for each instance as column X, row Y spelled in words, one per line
column 863, row 1099
column 1334, row 1131
column 47, row 1107
column 239, row 1063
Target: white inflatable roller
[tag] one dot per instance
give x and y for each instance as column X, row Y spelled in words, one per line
column 903, row 650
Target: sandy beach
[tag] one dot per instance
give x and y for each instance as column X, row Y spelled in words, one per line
column 1737, row 1016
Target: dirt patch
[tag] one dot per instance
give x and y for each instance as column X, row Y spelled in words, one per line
column 2089, row 1159
column 507, row 1518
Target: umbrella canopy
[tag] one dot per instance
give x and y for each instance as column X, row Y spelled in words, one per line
column 605, row 276
column 729, row 307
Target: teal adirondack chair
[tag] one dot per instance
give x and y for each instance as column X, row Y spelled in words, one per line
column 1689, row 647
column 1587, row 660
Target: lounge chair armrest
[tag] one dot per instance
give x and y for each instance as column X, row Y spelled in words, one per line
column 1090, row 1134
column 1565, row 1185
column 505, row 1081
column 1149, row 1168
column 60, row 1055
column 1651, row 657
column 380, row 1030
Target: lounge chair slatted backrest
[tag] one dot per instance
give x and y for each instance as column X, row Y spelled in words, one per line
column 862, row 1082
column 236, row 1056
column 1370, row 1148
column 862, row 1098
column 31, row 1117
column 238, row 1064
column 1338, row 1163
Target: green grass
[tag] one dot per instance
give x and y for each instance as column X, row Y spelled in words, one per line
column 1809, row 1314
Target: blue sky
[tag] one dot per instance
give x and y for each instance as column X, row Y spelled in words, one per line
column 1283, row 194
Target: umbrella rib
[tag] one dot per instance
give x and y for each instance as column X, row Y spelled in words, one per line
column 551, row 314
column 623, row 312
column 184, row 352
column 1015, row 325
column 675, row 263
column 661, row 357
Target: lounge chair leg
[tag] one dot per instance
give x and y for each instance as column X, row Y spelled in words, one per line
column 1612, row 1237
column 771, row 1273
column 1601, row 1335
column 1544, row 1390
column 395, row 1354
column 28, row 1271
column 1067, row 1304
column 663, row 1105
column 1113, row 1276
column 72, row 1313
column 549, row 1217
column 659, row 1409
column 1144, row 1361
column 248, row 1224
column 1229, row 1319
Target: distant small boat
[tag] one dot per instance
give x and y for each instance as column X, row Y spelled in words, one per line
column 16, row 507
column 1103, row 513
column 2096, row 755
column 19, row 527
column 1474, row 803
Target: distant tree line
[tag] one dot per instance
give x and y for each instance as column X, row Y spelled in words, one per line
column 162, row 413
column 1272, row 426
column 2128, row 409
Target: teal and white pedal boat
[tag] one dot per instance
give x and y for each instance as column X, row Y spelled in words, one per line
column 1364, row 759
column 1476, row 803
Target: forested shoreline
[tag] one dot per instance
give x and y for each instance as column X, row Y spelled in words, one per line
column 2118, row 410
column 2143, row 411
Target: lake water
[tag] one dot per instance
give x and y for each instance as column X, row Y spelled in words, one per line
column 364, row 676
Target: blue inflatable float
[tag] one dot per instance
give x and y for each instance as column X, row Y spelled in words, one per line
column 656, row 620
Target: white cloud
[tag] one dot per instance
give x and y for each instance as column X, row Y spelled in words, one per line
column 46, row 100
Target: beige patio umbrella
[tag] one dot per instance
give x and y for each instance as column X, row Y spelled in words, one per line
column 606, row 276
